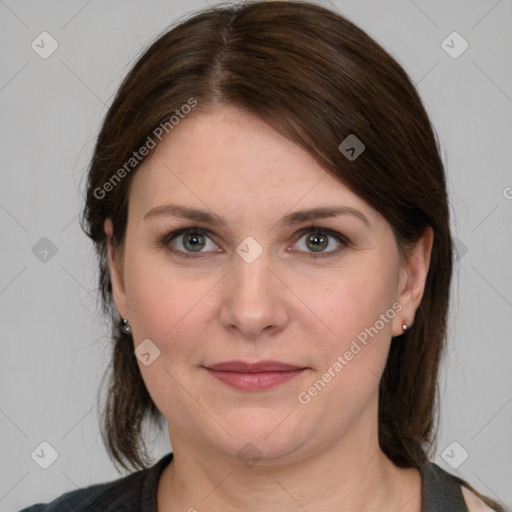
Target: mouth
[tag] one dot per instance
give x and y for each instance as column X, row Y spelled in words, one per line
column 254, row 376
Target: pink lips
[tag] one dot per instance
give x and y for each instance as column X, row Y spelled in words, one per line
column 254, row 376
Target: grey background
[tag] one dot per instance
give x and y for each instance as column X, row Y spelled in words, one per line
column 54, row 349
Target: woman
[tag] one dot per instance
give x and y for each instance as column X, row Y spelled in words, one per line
column 270, row 212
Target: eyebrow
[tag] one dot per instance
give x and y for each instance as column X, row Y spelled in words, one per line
column 185, row 212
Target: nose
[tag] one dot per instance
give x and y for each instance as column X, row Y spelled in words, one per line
column 255, row 298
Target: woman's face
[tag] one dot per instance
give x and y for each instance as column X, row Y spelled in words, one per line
column 251, row 289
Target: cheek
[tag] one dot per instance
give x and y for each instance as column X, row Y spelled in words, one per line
column 169, row 305
column 352, row 360
column 357, row 302
column 166, row 308
column 359, row 311
column 157, row 299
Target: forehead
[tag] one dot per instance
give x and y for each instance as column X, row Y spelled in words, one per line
column 233, row 162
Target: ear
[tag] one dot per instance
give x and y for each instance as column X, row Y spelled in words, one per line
column 115, row 265
column 412, row 281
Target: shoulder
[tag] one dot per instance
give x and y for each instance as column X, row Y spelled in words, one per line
column 112, row 496
column 130, row 493
column 473, row 502
column 444, row 491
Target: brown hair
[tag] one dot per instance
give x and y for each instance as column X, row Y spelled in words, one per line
column 317, row 78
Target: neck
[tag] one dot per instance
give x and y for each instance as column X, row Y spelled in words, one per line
column 352, row 475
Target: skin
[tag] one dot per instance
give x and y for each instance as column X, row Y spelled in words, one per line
column 283, row 306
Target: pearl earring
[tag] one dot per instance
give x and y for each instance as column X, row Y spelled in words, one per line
column 404, row 326
column 125, row 328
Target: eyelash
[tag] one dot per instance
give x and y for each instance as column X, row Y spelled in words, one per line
column 195, row 230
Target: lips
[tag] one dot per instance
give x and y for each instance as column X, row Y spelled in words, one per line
column 261, row 366
column 254, row 376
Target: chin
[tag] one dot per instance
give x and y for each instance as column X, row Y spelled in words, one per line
column 263, row 436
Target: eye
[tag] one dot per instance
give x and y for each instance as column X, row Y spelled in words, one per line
column 192, row 240
column 317, row 239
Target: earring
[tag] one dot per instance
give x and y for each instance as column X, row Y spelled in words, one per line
column 404, row 326
column 125, row 328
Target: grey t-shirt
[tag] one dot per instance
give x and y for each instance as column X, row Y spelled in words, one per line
column 138, row 493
